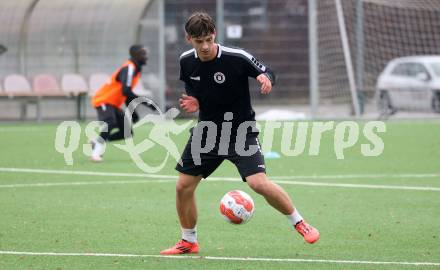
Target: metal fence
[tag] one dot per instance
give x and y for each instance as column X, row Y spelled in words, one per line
column 89, row 36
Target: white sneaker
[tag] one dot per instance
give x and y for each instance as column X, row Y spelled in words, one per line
column 96, row 159
column 93, row 144
column 97, row 148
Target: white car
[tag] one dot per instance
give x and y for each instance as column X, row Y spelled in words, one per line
column 411, row 82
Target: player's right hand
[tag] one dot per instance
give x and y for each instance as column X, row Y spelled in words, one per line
column 189, row 103
column 266, row 84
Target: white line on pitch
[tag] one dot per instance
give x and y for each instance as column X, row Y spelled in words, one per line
column 43, row 171
column 88, row 183
column 354, row 176
column 344, row 185
column 317, row 184
column 329, row 176
column 22, row 253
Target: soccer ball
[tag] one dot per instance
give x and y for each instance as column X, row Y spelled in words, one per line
column 237, row 207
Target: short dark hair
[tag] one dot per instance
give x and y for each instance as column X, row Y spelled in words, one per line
column 199, row 24
column 135, row 48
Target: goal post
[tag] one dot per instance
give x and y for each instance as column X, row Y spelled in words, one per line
column 347, row 57
column 351, row 42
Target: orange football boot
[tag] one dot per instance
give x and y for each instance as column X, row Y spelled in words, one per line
column 182, row 247
column 310, row 234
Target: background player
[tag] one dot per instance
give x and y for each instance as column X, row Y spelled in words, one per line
column 109, row 99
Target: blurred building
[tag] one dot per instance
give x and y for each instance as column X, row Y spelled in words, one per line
column 88, row 37
column 92, row 36
column 274, row 31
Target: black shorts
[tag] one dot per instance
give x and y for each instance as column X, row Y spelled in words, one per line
column 115, row 120
column 111, row 115
column 209, row 162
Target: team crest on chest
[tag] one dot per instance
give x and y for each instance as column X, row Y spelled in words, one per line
column 219, row 77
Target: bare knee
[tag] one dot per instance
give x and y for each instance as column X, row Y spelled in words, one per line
column 259, row 183
column 187, row 183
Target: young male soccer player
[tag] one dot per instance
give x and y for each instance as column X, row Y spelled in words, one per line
column 109, row 99
column 216, row 81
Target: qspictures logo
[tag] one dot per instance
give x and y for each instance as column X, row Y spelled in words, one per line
column 297, row 138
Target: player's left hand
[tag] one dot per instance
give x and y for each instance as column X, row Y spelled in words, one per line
column 266, row 84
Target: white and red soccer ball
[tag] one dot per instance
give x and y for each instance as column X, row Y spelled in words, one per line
column 237, row 207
